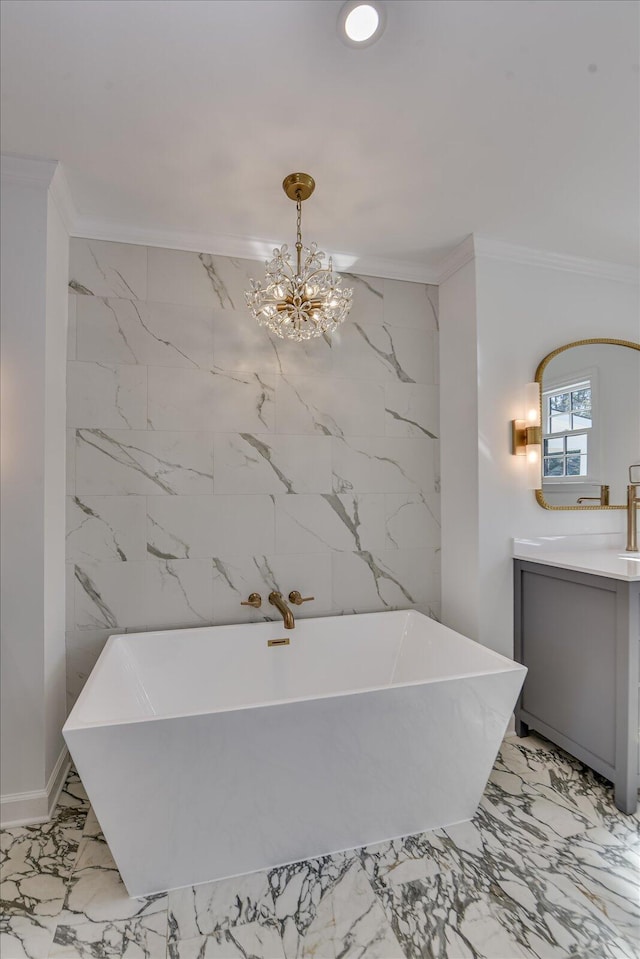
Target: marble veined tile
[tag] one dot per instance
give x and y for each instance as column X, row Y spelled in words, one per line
column 200, row 279
column 96, row 894
column 182, row 399
column 35, row 865
column 102, row 268
column 214, row 907
column 107, row 397
column 487, row 894
column 145, row 462
column 240, row 344
column 412, row 410
column 387, row 579
column 240, row 942
column 271, row 463
column 25, row 937
column 351, row 923
column 331, row 406
column 308, row 358
column 156, row 593
column 236, row 576
column 106, row 527
column 382, row 353
column 111, row 330
column 413, row 305
column 331, row 521
column 298, row 891
column 139, row 938
column 367, row 305
column 372, row 464
column 412, row 520
column 606, row 870
column 187, row 527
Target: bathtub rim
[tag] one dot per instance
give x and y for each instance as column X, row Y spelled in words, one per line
column 503, row 665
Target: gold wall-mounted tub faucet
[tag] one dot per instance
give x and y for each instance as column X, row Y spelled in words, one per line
column 278, row 600
column 255, row 600
column 297, row 599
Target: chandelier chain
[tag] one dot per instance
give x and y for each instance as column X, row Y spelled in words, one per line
column 299, row 230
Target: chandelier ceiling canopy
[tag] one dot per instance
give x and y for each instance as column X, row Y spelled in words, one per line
column 304, row 300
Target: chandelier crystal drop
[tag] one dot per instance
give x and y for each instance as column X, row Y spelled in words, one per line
column 302, row 301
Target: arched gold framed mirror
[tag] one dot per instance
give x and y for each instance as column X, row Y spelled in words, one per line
column 590, row 416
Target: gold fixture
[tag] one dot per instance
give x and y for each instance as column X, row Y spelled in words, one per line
column 603, row 499
column 278, row 642
column 304, row 301
column 526, row 435
column 278, row 600
column 297, row 599
column 542, row 365
column 255, row 600
column 523, row 436
column 633, row 504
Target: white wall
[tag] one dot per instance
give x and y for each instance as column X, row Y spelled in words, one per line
column 459, row 452
column 33, row 336
column 522, row 312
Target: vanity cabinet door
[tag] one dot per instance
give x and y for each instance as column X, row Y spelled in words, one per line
column 567, row 640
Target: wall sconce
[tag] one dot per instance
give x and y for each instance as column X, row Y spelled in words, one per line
column 526, row 436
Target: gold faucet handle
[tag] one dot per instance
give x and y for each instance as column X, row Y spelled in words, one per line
column 255, row 600
column 297, row 599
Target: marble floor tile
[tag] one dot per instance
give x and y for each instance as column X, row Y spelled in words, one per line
column 214, row 907
column 96, row 893
column 248, row 941
column 25, row 937
column 140, row 938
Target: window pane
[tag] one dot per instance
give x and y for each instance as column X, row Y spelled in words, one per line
column 560, row 422
column 581, row 399
column 576, row 465
column 554, row 445
column 581, row 421
column 559, row 402
column 554, row 466
column 577, row 444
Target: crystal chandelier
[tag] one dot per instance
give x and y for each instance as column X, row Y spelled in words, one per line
column 306, row 301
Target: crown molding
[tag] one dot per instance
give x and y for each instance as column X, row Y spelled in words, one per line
column 249, row 248
column 491, row 248
column 27, row 170
column 462, row 254
column 478, row 246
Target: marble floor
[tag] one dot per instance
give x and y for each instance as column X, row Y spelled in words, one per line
column 547, row 868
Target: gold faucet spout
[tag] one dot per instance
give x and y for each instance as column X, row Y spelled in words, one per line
column 278, row 600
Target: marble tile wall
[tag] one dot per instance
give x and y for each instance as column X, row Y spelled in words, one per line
column 207, row 459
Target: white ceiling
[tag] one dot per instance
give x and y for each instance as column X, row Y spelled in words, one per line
column 512, row 118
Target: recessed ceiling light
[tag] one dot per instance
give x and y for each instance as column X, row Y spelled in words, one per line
column 361, row 24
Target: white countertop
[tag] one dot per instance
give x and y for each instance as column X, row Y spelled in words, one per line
column 600, row 553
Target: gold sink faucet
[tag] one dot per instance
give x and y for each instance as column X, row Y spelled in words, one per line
column 278, row 600
column 603, row 499
column 633, row 503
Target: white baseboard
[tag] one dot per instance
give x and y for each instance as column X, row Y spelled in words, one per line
column 30, row 808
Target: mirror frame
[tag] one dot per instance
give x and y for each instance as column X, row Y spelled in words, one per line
column 542, row 365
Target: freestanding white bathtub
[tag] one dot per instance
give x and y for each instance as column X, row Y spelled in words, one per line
column 208, row 753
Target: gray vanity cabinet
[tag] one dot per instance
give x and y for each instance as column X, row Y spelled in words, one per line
column 579, row 635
